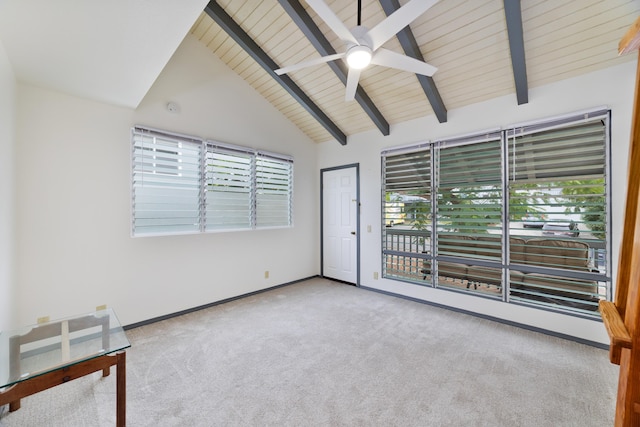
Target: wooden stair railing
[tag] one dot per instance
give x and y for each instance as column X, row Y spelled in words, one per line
column 622, row 318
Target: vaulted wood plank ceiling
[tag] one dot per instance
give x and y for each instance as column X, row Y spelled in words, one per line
column 466, row 40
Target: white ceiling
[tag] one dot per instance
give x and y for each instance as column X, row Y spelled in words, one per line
column 111, row 51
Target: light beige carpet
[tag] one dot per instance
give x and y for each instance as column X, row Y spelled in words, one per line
column 318, row 353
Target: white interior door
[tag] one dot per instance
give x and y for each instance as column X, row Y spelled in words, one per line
column 339, row 224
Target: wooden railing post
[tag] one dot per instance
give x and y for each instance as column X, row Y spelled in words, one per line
column 622, row 319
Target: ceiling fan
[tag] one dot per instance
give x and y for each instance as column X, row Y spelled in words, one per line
column 363, row 46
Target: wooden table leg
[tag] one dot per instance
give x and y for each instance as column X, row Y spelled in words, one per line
column 14, row 406
column 121, row 389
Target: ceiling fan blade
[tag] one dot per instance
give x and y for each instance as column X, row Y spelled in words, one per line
column 388, row 58
column 399, row 19
column 330, row 18
column 352, row 84
column 310, row 63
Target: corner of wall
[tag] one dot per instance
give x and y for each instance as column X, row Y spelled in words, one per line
column 7, row 193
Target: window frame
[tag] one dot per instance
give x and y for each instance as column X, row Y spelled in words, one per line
column 247, row 180
column 421, row 267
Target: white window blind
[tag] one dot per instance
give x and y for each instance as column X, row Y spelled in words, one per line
column 274, row 191
column 183, row 184
column 166, row 184
column 229, row 189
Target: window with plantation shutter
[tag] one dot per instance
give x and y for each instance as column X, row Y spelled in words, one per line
column 183, row 184
column 166, row 184
column 520, row 215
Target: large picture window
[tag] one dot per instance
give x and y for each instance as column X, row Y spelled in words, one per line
column 182, row 185
column 520, row 215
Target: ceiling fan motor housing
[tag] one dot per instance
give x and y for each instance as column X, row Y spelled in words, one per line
column 358, row 56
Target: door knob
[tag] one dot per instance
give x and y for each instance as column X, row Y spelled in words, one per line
column 353, row 232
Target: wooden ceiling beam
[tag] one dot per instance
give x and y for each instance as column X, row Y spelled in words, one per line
column 222, row 18
column 410, row 46
column 319, row 41
column 513, row 15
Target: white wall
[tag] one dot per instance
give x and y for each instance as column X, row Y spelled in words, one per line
column 612, row 87
column 7, row 144
column 73, row 171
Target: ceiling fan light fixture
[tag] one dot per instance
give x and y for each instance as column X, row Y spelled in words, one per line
column 358, row 57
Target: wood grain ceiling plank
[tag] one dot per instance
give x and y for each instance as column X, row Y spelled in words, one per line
column 485, row 50
column 378, row 75
column 471, row 53
column 444, row 13
column 542, row 55
column 433, row 34
column 574, row 72
column 222, row 48
column 325, row 82
column 252, row 15
column 244, row 65
column 388, row 79
column 283, row 98
column 243, row 13
column 281, row 38
column 535, row 19
column 473, row 65
column 597, row 56
column 235, row 57
column 219, row 37
column 587, row 21
column 495, row 82
column 496, row 79
column 233, row 6
column 456, row 15
column 411, row 111
column 211, row 32
column 488, row 26
column 271, row 22
column 461, row 97
column 199, row 28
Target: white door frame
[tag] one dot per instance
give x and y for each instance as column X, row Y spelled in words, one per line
column 322, row 171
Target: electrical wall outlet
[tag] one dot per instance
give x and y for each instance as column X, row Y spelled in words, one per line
column 43, row 319
column 101, row 307
column 266, row 274
column 375, row 275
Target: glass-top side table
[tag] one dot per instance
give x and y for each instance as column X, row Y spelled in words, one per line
column 38, row 357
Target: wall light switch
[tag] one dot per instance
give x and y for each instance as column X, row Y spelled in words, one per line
column 375, row 275
column 266, row 274
column 368, row 228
